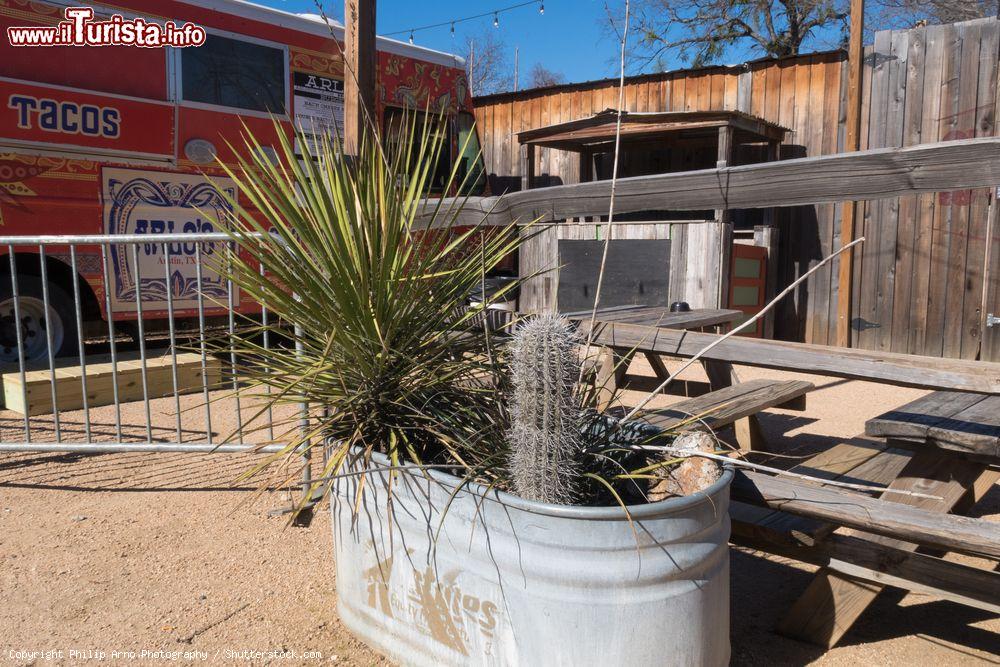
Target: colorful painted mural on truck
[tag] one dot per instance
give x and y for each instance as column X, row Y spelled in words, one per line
column 120, row 139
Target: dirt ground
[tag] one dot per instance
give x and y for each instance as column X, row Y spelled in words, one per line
column 167, row 553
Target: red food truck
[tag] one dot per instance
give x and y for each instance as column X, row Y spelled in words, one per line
column 122, row 138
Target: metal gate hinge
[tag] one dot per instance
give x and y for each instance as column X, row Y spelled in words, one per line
column 992, row 320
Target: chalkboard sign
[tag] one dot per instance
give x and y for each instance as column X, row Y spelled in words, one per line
column 637, row 273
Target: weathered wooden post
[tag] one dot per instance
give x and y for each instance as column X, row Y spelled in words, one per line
column 724, row 158
column 527, row 165
column 359, row 71
column 766, row 236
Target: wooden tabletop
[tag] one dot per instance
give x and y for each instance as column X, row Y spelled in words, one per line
column 660, row 316
column 958, row 421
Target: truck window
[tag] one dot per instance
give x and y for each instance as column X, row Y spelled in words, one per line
column 471, row 172
column 233, row 73
column 398, row 123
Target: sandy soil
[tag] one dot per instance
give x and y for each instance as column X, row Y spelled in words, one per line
column 134, row 552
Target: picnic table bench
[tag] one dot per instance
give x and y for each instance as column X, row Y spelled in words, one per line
column 720, row 402
column 942, row 445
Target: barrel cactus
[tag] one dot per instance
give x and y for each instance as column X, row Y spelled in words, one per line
column 545, row 435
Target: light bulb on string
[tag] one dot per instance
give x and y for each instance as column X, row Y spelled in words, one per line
column 453, row 29
column 411, row 37
column 496, row 20
column 541, row 7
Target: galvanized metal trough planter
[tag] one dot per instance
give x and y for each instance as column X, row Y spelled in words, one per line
column 479, row 577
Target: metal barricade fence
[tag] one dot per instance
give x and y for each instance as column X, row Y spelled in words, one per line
column 136, row 295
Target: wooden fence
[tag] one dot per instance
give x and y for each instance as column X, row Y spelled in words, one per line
column 922, row 282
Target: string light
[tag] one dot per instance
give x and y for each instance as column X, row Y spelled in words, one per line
column 495, row 13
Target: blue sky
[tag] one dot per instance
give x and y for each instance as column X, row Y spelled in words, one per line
column 568, row 39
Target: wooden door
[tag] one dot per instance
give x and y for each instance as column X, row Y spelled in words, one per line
column 748, row 284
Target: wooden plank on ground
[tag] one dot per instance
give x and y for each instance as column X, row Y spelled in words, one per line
column 899, row 369
column 100, row 382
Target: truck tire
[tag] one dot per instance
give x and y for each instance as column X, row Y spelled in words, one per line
column 59, row 321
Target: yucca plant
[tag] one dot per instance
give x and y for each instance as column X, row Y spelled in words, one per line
column 373, row 281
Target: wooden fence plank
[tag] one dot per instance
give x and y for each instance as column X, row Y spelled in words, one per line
column 868, row 317
column 947, row 116
column 889, row 208
column 985, row 126
column 906, row 266
column 925, row 234
column 818, row 291
column 970, row 38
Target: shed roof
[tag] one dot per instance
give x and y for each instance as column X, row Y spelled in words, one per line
column 591, row 132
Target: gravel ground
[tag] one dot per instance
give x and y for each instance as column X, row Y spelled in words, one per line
column 168, row 552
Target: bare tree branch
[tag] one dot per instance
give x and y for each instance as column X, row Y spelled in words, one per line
column 907, row 13
column 701, row 31
column 487, row 64
column 542, row 77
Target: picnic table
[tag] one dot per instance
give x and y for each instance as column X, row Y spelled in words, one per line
column 964, row 423
column 941, row 445
column 724, row 400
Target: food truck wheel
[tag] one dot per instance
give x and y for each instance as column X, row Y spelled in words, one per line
column 37, row 325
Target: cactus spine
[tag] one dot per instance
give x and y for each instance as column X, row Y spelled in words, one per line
column 545, row 435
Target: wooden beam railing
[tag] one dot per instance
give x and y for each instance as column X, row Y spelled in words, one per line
column 865, row 175
column 947, row 531
column 890, row 368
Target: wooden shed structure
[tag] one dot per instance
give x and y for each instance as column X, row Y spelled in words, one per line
column 668, row 140
column 706, row 269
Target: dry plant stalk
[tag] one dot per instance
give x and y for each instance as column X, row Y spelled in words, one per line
column 739, row 463
column 546, row 421
column 614, row 179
